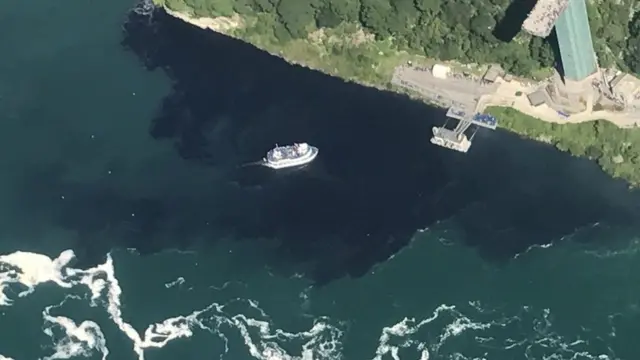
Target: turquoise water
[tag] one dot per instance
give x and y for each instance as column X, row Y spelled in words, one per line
column 129, row 228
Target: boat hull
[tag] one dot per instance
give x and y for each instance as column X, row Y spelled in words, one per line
column 289, row 163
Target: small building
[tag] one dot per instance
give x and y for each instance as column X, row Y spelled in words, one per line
column 440, row 71
column 626, row 85
column 492, row 73
column 537, row 98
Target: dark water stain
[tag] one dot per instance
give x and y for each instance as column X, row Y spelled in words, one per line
column 376, row 181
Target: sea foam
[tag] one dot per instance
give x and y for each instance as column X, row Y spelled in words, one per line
column 70, row 339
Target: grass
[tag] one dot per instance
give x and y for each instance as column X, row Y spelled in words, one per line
column 334, row 51
column 340, row 53
column 616, row 150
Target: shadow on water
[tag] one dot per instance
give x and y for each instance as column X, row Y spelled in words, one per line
column 555, row 47
column 376, row 181
column 511, row 23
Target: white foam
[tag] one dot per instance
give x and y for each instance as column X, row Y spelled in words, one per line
column 144, row 8
column 76, row 340
column 263, row 341
column 31, row 269
column 177, row 282
column 498, row 335
column 436, row 335
column 403, row 330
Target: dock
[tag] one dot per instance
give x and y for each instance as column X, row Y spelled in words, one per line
column 456, row 138
column 450, row 139
column 483, row 120
column 459, row 95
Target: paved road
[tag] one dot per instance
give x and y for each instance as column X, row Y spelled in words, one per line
column 448, row 92
column 466, row 94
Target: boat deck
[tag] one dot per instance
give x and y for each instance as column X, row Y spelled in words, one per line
column 289, row 157
column 456, row 139
column 286, row 153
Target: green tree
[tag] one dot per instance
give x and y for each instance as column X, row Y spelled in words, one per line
column 442, row 29
column 457, row 13
column 265, row 5
column 296, row 15
column 373, row 16
column 327, row 17
column 402, row 17
column 243, row 7
column 632, row 54
column 347, row 10
column 483, row 24
column 431, row 7
column 541, row 51
column 334, row 12
column 632, row 51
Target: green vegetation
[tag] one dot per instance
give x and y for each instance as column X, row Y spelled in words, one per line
column 615, row 149
column 632, row 51
column 437, row 29
column 344, row 51
column 364, row 40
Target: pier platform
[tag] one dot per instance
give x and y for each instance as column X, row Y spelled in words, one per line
column 450, row 139
column 456, row 139
column 462, row 114
column 458, row 113
column 485, row 120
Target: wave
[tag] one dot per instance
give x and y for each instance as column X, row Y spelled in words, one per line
column 261, row 338
column 450, row 330
column 74, row 340
column 462, row 331
column 144, row 8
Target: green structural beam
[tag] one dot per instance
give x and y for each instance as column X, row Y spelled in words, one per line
column 574, row 39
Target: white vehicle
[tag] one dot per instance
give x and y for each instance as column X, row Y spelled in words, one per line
column 289, row 156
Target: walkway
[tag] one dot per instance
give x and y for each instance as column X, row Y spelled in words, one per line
column 505, row 96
